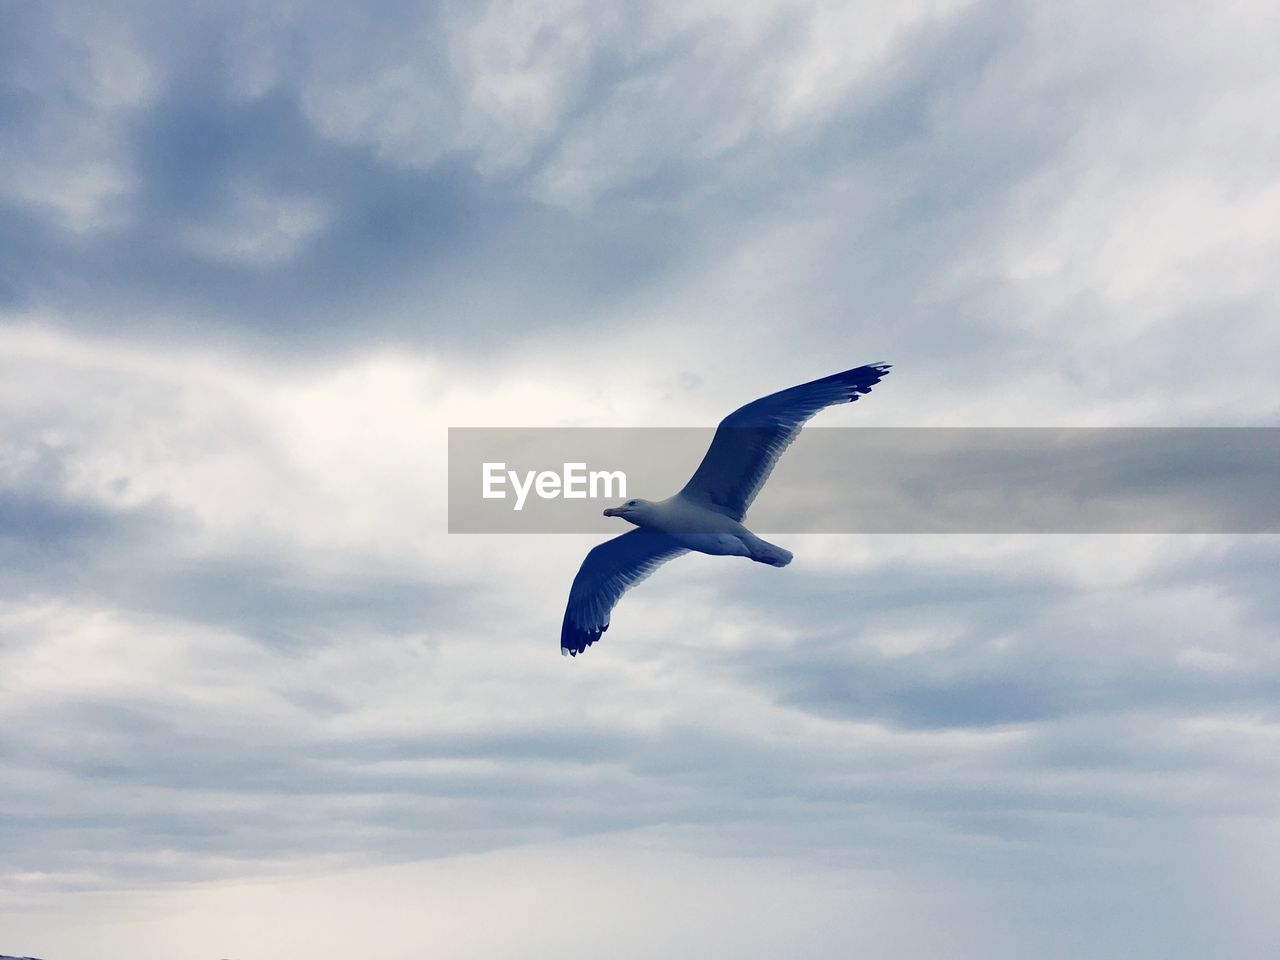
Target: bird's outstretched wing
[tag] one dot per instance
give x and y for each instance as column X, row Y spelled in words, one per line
column 608, row 571
column 750, row 440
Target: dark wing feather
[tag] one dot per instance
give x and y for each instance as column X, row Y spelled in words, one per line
column 608, row 571
column 750, row 440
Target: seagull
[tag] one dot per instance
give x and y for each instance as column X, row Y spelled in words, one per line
column 706, row 515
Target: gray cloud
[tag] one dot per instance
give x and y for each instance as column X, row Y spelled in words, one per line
column 253, row 262
column 994, row 646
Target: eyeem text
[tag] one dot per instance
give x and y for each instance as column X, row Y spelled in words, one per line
column 574, row 482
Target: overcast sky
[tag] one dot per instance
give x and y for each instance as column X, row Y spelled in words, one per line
column 255, row 259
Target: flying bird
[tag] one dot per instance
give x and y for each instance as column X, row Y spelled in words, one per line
column 707, row 514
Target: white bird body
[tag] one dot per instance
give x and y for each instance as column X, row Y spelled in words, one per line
column 707, row 515
column 701, row 529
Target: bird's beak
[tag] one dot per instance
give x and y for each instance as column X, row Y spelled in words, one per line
column 611, row 512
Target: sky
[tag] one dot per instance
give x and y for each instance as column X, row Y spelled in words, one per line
column 256, row 259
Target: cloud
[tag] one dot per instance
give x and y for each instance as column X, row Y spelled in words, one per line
column 75, row 80
column 239, row 641
column 253, row 263
column 928, row 645
column 941, row 184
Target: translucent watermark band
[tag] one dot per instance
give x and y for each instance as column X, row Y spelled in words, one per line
column 885, row 480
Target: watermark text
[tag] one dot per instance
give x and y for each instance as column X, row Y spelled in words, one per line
column 573, row 482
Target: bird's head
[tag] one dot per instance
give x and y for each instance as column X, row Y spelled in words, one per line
column 633, row 511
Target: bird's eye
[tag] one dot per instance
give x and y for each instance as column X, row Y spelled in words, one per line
column 631, row 503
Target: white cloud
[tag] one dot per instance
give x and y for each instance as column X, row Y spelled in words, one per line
column 240, row 650
column 580, row 98
column 626, row 899
column 80, row 84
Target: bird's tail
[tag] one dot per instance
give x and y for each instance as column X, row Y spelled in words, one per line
column 762, row 551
